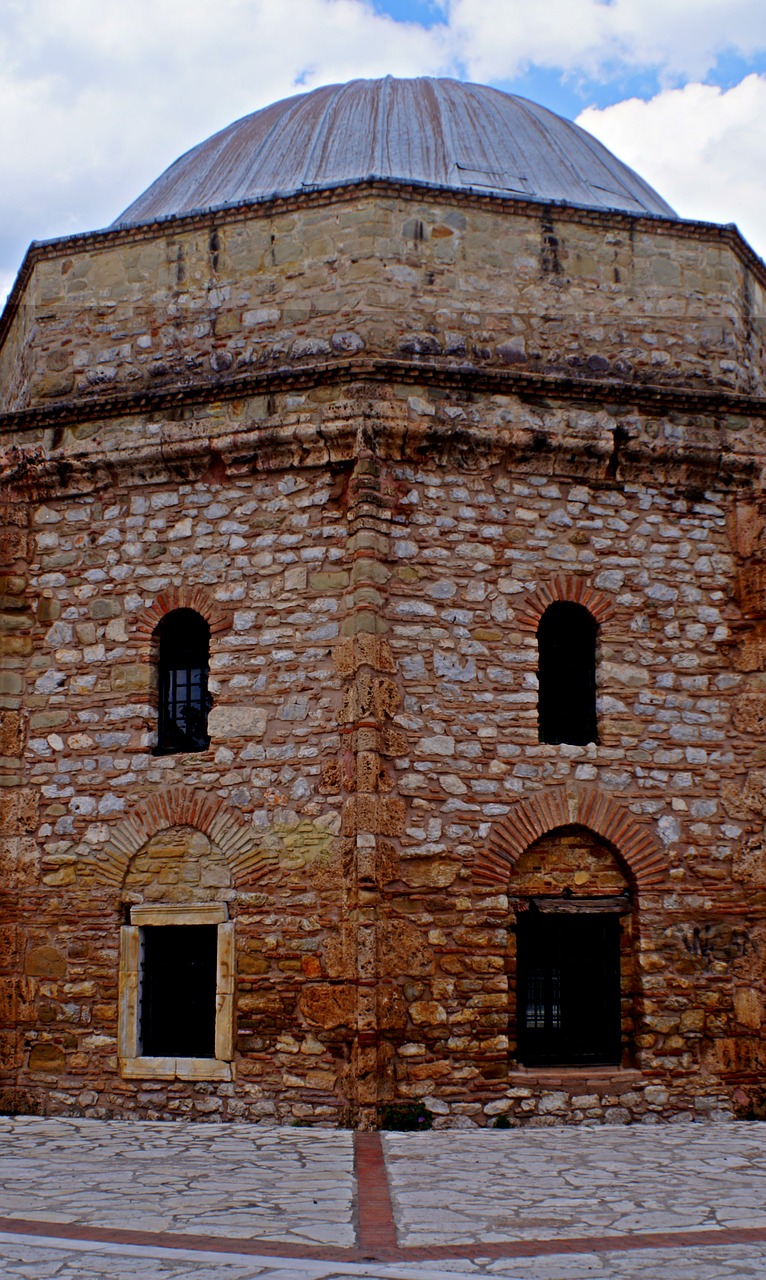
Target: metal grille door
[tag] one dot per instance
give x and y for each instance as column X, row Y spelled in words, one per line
column 568, row 993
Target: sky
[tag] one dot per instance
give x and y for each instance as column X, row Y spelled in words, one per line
column 97, row 97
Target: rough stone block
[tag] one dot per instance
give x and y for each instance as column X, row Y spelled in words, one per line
column 18, row 810
column 328, row 1006
column 11, row 733
column 46, row 962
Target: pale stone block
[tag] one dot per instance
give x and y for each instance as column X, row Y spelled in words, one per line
column 225, row 986
column 130, row 952
column 175, row 1069
column 168, row 913
column 439, row 745
column 225, row 722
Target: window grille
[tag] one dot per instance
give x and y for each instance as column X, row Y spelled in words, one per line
column 543, row 999
column 568, row 994
column 184, row 701
column 566, row 640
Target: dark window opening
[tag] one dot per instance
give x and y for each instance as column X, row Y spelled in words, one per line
column 566, row 673
column 178, row 991
column 184, row 702
column 568, row 989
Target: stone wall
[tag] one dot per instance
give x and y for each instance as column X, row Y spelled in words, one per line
column 373, row 563
column 461, row 281
column 476, row 548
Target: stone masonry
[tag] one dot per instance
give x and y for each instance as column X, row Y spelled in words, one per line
column 370, row 435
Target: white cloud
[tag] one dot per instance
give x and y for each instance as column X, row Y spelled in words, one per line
column 677, row 38
column 98, row 96
column 703, row 148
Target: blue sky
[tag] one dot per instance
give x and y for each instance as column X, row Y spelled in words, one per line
column 421, row 11
column 97, row 97
column 569, row 93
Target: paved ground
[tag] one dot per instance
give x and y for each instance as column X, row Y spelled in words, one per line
column 82, row 1200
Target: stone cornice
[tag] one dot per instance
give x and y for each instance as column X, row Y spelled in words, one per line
column 646, row 397
column 276, row 446
column 40, row 250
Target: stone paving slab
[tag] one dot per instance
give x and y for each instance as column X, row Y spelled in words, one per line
column 233, row 1180
column 462, row 1187
column 237, row 1187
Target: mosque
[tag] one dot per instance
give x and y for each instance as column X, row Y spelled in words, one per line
column 383, row 621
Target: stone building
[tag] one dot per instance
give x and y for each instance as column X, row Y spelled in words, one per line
column 383, row 623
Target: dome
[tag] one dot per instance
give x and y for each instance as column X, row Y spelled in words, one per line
column 437, row 131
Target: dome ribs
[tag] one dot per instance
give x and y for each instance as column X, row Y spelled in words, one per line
column 408, row 130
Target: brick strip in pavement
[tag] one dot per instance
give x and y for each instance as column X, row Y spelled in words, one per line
column 375, row 1213
column 708, row 1236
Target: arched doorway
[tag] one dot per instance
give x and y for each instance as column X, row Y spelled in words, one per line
column 573, row 974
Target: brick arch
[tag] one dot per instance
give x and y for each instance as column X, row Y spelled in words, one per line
column 567, row 806
column 249, row 857
column 184, row 597
column 564, row 587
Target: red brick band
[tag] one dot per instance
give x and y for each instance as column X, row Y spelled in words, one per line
column 564, row 587
column 217, row 616
column 377, row 1229
column 250, row 859
column 693, row 1239
column 572, row 805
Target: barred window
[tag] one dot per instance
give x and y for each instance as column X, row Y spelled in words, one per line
column 568, row 988
column 566, row 641
column 183, row 700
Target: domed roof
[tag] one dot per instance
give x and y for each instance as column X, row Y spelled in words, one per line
column 441, row 132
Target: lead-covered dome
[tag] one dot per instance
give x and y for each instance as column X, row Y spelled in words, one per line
column 441, row 132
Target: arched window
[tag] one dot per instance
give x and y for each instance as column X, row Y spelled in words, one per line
column 566, row 642
column 184, row 702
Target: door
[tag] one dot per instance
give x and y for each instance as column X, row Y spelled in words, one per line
column 568, row 991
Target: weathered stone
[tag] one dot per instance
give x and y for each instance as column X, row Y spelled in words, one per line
column 131, row 679
column 11, row 733
column 750, row 713
column 47, row 1058
column 748, row 1007
column 433, row 872
column 19, row 810
column 427, row 1011
column 46, row 962
column 327, row 1006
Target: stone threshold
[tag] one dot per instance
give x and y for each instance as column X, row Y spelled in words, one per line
column 571, row 1077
